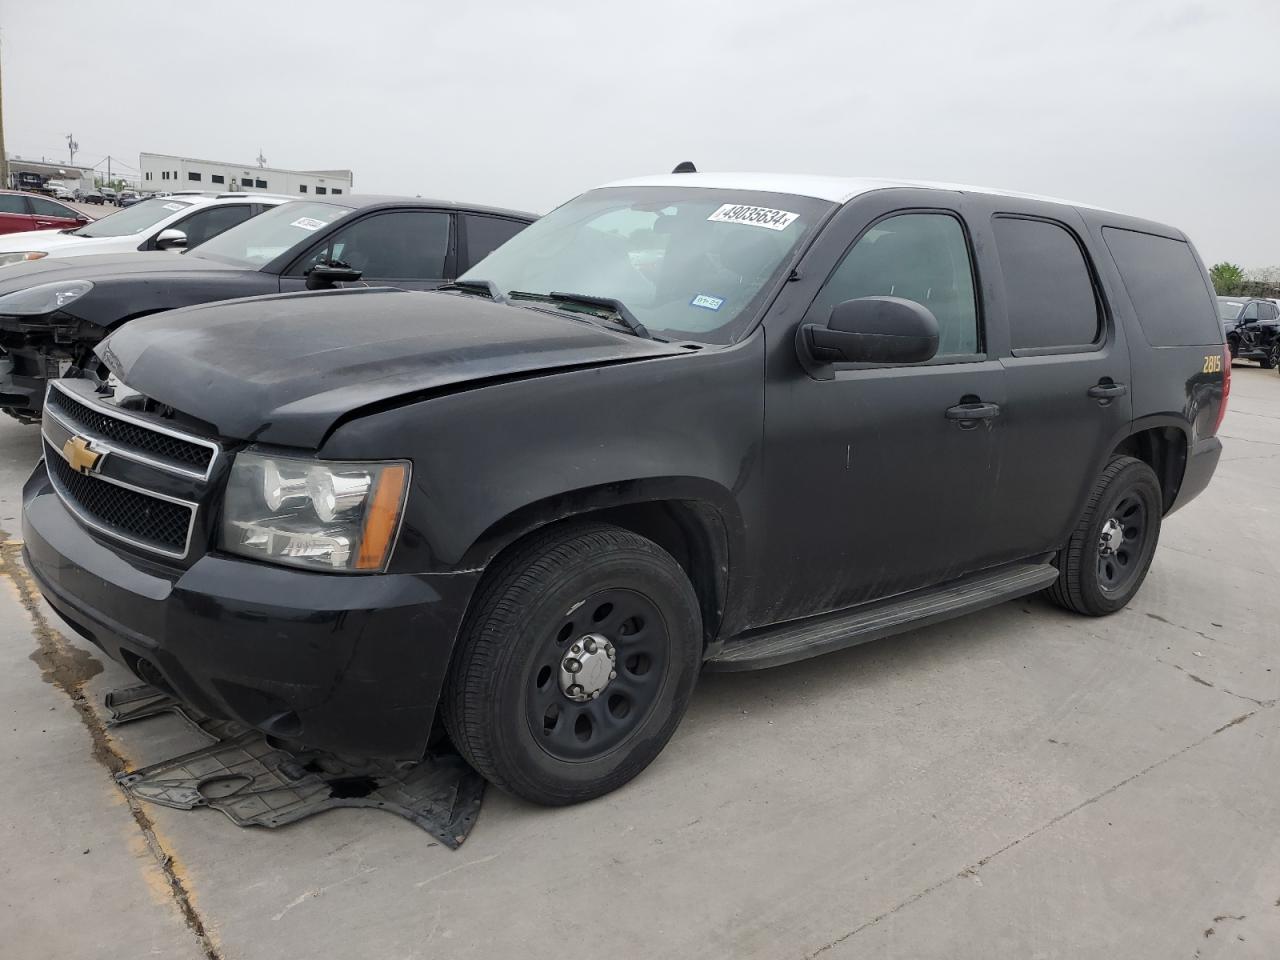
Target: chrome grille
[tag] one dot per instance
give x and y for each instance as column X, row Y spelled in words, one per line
column 147, row 482
column 129, row 433
column 161, row 525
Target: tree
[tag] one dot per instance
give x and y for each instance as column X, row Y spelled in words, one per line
column 1226, row 278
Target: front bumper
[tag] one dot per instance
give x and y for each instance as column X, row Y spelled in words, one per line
column 349, row 664
column 19, row 391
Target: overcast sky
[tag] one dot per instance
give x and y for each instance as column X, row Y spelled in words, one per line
column 1168, row 109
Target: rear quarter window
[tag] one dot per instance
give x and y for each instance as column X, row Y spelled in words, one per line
column 1165, row 286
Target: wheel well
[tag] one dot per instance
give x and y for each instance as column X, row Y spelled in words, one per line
column 690, row 530
column 1164, row 450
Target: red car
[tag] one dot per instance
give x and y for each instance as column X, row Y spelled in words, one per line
column 30, row 211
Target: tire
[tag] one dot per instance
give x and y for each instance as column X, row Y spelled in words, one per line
column 508, row 702
column 1268, row 360
column 1127, row 495
column 1275, row 356
column 1233, row 346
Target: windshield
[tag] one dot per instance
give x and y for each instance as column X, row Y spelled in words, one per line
column 1229, row 309
column 135, row 219
column 689, row 262
column 258, row 241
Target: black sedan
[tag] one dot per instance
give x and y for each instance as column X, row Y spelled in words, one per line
column 53, row 312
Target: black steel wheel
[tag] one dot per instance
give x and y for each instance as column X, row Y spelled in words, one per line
column 1120, row 543
column 623, row 630
column 576, row 664
column 1110, row 550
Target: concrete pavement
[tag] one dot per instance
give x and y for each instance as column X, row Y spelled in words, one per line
column 1017, row 783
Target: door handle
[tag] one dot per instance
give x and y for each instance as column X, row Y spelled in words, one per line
column 1105, row 391
column 967, row 415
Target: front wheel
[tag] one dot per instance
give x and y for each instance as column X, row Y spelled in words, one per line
column 1110, row 550
column 1270, row 359
column 575, row 665
column 1275, row 356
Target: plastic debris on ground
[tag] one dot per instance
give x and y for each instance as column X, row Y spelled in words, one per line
column 256, row 781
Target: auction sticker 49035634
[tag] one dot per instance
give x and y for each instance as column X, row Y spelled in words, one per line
column 754, row 216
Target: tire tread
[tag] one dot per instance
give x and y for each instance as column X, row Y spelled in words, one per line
column 1066, row 591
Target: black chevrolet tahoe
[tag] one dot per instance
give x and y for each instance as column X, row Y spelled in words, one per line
column 688, row 422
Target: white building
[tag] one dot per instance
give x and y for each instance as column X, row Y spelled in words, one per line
column 164, row 173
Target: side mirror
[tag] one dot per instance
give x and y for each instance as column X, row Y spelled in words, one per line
column 323, row 276
column 869, row 330
column 170, row 238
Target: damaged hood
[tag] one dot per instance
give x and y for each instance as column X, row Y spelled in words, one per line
column 285, row 369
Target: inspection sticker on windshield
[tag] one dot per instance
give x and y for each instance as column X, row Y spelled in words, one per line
column 174, row 206
column 308, row 223
column 707, row 302
column 754, row 216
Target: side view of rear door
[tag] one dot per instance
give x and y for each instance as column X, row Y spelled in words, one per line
column 51, row 215
column 1066, row 365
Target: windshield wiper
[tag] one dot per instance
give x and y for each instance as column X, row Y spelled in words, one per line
column 487, row 287
column 615, row 307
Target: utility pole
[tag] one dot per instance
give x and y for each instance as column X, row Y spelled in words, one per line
column 262, row 161
column 108, row 170
column 4, row 157
column 72, row 147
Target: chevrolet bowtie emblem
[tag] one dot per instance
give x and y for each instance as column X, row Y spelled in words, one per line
column 80, row 456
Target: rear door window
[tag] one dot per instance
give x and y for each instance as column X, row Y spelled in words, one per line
column 1166, row 287
column 13, row 203
column 47, row 208
column 486, row 234
column 208, row 223
column 1050, row 296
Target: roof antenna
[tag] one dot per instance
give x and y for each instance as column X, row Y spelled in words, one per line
column 685, row 166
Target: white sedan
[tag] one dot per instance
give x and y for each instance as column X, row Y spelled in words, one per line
column 164, row 223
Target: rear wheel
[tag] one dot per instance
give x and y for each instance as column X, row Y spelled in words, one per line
column 1110, row 550
column 576, row 664
column 1270, row 359
column 1275, row 355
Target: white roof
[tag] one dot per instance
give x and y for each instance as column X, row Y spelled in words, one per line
column 835, row 189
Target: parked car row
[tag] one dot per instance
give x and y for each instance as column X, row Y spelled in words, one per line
column 69, row 294
column 682, row 422
column 1251, row 326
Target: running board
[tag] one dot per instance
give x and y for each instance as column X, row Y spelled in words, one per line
column 801, row 639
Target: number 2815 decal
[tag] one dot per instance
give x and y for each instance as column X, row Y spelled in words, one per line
column 1213, row 364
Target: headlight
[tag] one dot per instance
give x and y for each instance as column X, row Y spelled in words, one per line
column 341, row 517
column 45, row 298
column 21, row 256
